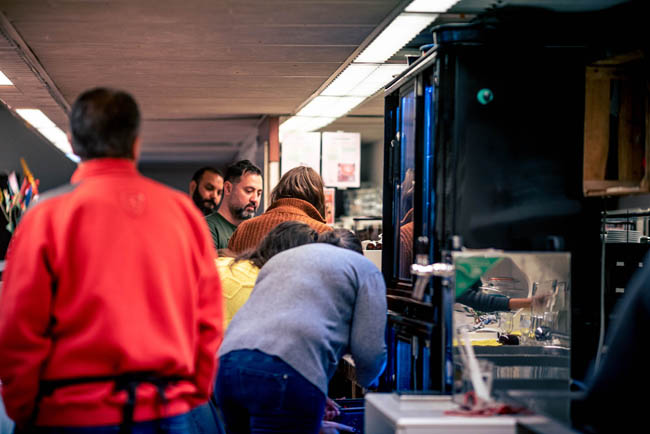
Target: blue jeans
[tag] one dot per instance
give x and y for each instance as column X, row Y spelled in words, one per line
column 172, row 425
column 206, row 419
column 259, row 393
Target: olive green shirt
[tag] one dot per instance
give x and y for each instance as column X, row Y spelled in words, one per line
column 221, row 230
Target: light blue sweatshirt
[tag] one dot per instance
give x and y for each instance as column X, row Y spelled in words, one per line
column 311, row 305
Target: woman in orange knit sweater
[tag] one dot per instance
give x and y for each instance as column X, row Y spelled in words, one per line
column 298, row 196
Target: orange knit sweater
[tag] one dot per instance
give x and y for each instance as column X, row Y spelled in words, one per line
column 250, row 233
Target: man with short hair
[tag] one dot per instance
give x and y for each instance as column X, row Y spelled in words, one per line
column 242, row 191
column 110, row 313
column 206, row 189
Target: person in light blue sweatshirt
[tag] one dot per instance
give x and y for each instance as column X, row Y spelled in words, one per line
column 310, row 305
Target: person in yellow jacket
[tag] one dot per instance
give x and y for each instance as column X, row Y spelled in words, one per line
column 238, row 274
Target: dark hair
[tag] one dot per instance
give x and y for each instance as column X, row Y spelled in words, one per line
column 104, row 123
column 304, row 183
column 284, row 236
column 199, row 173
column 344, row 238
column 236, row 170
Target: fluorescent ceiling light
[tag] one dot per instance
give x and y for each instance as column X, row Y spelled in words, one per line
column 378, row 79
column 350, row 78
column 398, row 33
column 430, row 5
column 363, row 80
column 330, row 106
column 47, row 128
column 73, row 157
column 57, row 137
column 368, row 73
column 36, row 118
column 303, row 123
column 4, row 80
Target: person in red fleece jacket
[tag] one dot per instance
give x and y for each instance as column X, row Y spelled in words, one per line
column 110, row 313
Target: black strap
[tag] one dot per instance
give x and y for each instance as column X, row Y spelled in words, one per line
column 128, row 382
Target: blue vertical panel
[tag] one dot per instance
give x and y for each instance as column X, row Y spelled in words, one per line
column 396, row 201
column 426, row 367
column 391, row 362
column 403, row 371
column 428, row 175
column 407, row 184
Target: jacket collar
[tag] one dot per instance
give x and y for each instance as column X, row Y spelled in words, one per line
column 103, row 166
column 285, row 204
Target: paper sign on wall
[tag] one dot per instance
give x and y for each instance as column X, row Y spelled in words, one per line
column 300, row 149
column 342, row 159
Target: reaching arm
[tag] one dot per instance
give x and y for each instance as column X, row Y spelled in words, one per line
column 483, row 302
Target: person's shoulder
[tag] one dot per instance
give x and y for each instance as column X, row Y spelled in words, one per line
column 264, row 217
column 215, row 217
column 223, row 261
column 322, row 227
column 246, row 267
column 242, row 271
column 257, row 223
column 219, row 223
column 355, row 259
column 346, row 257
column 47, row 201
column 57, row 192
column 329, row 249
column 212, row 217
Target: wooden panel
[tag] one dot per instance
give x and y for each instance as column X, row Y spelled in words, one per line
column 208, row 107
column 617, row 91
column 185, row 60
column 596, row 145
column 197, row 131
column 198, row 68
column 28, row 90
column 612, row 188
column 170, row 87
column 216, row 12
column 144, row 34
column 75, row 54
column 631, row 126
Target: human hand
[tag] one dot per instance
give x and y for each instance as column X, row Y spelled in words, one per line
column 329, row 427
column 332, row 409
column 541, row 301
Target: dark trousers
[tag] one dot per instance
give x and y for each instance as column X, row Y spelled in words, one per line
column 259, row 393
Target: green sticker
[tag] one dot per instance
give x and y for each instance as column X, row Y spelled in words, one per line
column 470, row 269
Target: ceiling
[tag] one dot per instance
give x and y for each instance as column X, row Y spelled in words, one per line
column 205, row 72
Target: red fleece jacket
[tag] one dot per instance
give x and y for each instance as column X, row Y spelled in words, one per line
column 113, row 275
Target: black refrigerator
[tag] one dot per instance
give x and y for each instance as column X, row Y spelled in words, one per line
column 484, row 149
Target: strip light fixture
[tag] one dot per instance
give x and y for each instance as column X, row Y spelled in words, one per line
column 368, row 73
column 398, row 33
column 49, row 130
column 4, row 80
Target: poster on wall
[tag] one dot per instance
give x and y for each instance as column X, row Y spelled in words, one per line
column 342, row 159
column 300, row 149
column 330, row 210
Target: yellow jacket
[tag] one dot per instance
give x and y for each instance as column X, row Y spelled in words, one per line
column 237, row 281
